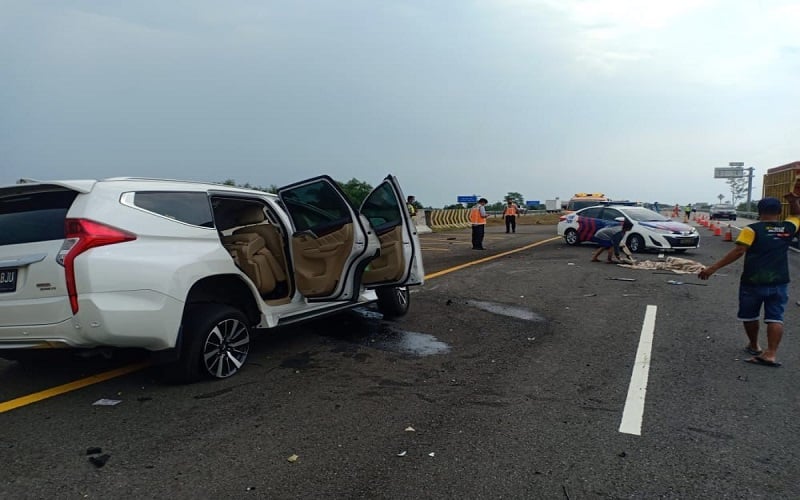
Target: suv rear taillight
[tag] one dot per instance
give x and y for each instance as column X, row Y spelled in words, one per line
column 82, row 235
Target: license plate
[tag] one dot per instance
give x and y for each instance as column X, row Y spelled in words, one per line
column 8, row 280
column 686, row 241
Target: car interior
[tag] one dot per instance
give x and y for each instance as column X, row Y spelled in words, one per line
column 256, row 244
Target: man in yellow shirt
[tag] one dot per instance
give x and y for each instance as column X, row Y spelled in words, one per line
column 765, row 277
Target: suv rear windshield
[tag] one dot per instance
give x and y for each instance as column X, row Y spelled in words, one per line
column 32, row 217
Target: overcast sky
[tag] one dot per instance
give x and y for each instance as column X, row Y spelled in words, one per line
column 636, row 99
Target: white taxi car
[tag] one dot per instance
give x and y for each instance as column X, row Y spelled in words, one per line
column 188, row 270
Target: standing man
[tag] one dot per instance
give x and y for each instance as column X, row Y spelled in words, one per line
column 510, row 212
column 687, row 210
column 477, row 217
column 412, row 210
column 765, row 277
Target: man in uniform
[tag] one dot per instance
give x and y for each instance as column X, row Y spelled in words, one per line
column 477, row 217
column 510, row 212
column 412, row 209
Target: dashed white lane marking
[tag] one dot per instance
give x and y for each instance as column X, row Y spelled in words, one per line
column 634, row 404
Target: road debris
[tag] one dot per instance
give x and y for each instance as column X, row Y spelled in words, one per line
column 97, row 457
column 293, row 458
column 107, row 402
column 622, row 279
column 402, row 453
column 676, row 282
column 410, row 429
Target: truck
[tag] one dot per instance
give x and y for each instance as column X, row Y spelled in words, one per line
column 552, row 205
column 780, row 180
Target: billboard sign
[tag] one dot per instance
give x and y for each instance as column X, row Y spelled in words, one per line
column 468, row 199
column 728, row 172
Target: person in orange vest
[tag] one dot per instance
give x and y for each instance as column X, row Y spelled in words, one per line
column 510, row 213
column 477, row 217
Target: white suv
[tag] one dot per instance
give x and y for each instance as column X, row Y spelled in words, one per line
column 187, row 270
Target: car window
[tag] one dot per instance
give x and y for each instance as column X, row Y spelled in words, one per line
column 643, row 215
column 382, row 209
column 33, row 217
column 316, row 207
column 593, row 212
column 189, row 207
column 610, row 214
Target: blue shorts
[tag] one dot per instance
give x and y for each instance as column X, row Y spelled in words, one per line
column 773, row 298
column 604, row 243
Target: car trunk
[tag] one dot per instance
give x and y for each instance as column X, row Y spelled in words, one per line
column 32, row 284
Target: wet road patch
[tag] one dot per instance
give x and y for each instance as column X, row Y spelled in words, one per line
column 507, row 310
column 363, row 327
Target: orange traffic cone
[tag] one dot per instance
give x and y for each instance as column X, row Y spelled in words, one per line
column 717, row 231
column 728, row 234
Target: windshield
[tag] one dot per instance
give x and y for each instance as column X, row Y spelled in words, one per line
column 724, row 207
column 579, row 204
column 641, row 214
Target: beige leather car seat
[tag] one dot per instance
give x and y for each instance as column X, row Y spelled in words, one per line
column 253, row 219
column 251, row 255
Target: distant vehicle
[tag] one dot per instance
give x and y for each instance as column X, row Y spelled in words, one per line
column 552, row 205
column 722, row 211
column 780, row 180
column 187, row 270
column 583, row 200
column 650, row 229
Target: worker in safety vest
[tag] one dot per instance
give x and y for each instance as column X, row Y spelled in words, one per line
column 477, row 217
column 412, row 209
column 510, row 213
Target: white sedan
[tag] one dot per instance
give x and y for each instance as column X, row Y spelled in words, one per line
column 651, row 230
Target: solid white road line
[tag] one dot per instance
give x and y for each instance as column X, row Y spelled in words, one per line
column 634, row 404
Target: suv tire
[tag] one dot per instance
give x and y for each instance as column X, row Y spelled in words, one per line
column 393, row 302
column 215, row 343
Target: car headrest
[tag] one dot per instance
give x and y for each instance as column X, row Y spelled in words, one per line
column 250, row 215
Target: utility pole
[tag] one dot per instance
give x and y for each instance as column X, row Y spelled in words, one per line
column 749, row 187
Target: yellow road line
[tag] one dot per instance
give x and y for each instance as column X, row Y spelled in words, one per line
column 72, row 386
column 125, row 370
column 487, row 259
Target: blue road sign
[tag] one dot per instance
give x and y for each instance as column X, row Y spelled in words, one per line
column 532, row 203
column 468, row 199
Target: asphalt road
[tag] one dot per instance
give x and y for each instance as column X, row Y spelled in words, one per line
column 508, row 379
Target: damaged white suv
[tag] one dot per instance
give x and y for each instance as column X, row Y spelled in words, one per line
column 188, row 270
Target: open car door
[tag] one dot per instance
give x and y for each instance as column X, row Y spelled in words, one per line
column 400, row 259
column 330, row 244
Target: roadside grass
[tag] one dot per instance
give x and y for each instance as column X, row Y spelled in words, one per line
column 527, row 219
